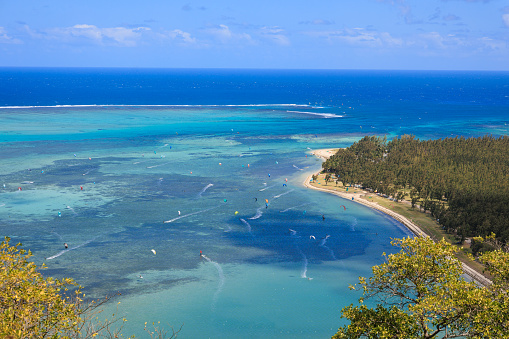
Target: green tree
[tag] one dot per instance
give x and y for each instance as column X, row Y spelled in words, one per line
column 328, row 177
column 420, row 293
column 32, row 306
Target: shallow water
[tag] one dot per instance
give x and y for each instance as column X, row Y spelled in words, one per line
column 115, row 182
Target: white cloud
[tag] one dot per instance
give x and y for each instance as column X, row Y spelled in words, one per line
column 224, row 35
column 117, row 36
column 360, row 37
column 6, row 39
column 505, row 17
column 182, row 37
column 275, row 35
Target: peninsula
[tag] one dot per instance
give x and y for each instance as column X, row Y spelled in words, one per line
column 365, row 198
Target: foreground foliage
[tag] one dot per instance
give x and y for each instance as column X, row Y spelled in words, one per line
column 463, row 182
column 420, row 293
column 32, row 306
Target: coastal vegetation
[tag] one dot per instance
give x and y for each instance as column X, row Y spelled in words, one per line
column 463, row 183
column 420, row 293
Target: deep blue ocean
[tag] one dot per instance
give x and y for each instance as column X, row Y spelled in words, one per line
column 119, row 162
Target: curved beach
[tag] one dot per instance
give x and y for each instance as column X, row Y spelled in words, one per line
column 327, row 153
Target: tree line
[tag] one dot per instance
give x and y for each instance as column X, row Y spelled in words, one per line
column 462, row 182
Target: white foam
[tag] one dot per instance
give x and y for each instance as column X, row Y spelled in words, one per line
column 325, row 115
column 300, row 169
column 169, row 106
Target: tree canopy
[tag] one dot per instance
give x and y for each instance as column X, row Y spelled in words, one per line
column 462, row 182
column 420, row 293
column 33, row 306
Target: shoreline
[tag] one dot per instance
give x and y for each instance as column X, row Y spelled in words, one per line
column 324, row 154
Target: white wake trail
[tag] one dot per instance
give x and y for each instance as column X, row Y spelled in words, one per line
column 304, row 265
column 70, row 249
column 166, row 163
column 72, row 209
column 221, row 279
column 204, row 189
column 293, row 207
column 266, row 188
column 322, row 244
column 280, row 195
column 258, row 213
column 187, row 215
column 247, row 225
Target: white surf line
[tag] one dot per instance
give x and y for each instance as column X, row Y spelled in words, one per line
column 280, row 195
column 263, row 189
column 2, row 205
column 300, row 169
column 70, row 249
column 258, row 213
column 187, row 215
column 293, row 207
column 166, row 163
column 110, row 105
column 325, row 115
column 322, row 244
column 221, row 279
column 204, row 189
column 247, row 225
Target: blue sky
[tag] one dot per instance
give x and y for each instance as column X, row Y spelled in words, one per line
column 321, row 34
